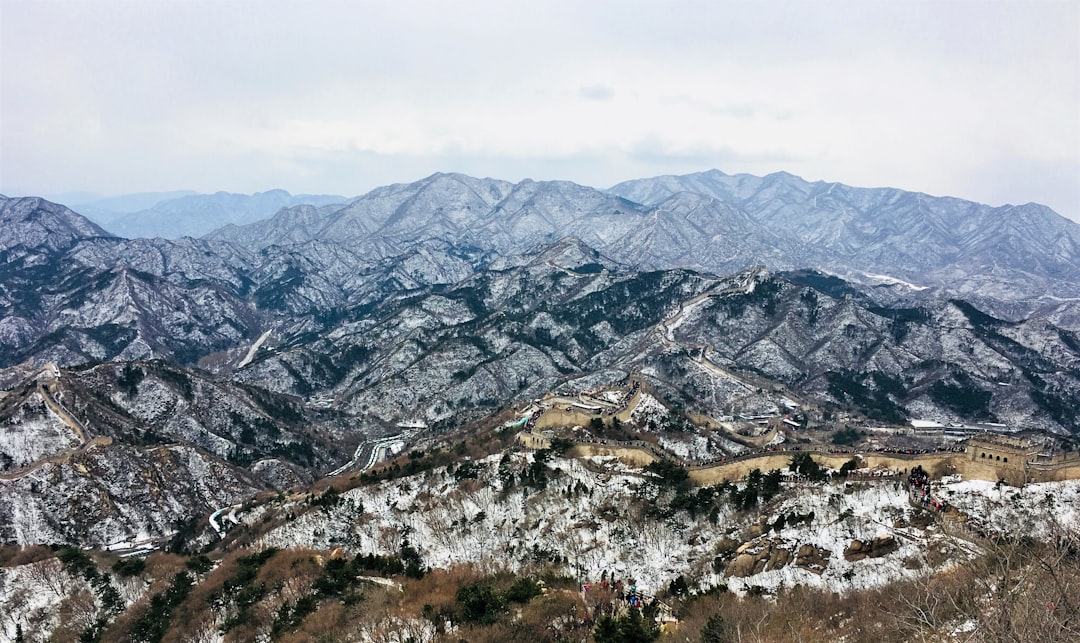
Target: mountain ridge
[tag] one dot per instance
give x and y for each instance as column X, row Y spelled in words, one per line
column 717, row 223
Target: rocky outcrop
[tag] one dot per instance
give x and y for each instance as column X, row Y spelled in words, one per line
column 812, row 558
column 763, row 555
column 876, row 548
column 758, row 556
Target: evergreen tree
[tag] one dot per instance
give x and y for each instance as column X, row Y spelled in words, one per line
column 715, row 630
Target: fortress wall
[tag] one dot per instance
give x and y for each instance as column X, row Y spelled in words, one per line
column 559, row 417
column 624, row 415
column 533, row 441
column 903, row 464
column 991, row 471
column 936, row 464
column 734, row 471
column 1056, row 474
column 628, row 455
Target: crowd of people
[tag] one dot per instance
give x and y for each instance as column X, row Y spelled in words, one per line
column 614, row 598
column 634, row 386
column 920, row 491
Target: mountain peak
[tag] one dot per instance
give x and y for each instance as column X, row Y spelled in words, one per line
column 33, row 222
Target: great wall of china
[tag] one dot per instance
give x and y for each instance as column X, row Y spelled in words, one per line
column 983, row 458
column 990, row 457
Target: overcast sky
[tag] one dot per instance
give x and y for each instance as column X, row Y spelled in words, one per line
column 979, row 100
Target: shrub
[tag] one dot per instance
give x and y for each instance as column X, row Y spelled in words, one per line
column 670, row 473
column 154, row 622
column 199, row 564
column 523, row 590
column 846, row 437
column 480, row 603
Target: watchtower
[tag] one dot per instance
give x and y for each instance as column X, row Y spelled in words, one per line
column 1000, row 457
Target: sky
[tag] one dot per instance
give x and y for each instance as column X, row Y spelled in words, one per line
column 979, row 100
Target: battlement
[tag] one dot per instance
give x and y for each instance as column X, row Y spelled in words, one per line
column 1003, row 448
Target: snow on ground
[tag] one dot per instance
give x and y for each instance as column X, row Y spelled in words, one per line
column 589, row 522
column 729, row 445
column 598, row 521
column 687, row 312
column 28, row 440
column 612, row 396
column 689, row 446
column 1037, row 509
column 32, row 594
column 894, row 281
column 36, row 595
column 598, row 515
column 776, row 439
column 254, row 349
column 842, row 514
column 648, row 408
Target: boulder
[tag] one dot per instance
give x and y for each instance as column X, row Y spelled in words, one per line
column 742, row 566
column 880, row 546
column 758, row 556
column 812, row 558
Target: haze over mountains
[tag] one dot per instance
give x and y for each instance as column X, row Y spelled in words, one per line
column 171, row 215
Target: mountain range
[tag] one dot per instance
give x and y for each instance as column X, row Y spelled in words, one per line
column 715, row 223
column 441, row 302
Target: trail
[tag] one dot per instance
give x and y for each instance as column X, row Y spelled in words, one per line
column 66, row 417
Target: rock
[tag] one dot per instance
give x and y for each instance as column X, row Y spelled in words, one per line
column 759, row 556
column 880, row 546
column 855, row 551
column 742, row 566
column 812, row 558
column 779, row 558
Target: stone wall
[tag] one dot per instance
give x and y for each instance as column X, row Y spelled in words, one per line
column 628, row 455
column 558, row 416
column 1064, row 467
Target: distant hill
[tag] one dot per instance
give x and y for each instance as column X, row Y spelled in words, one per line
column 172, row 215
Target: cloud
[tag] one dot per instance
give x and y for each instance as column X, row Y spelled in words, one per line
column 597, row 92
column 126, row 97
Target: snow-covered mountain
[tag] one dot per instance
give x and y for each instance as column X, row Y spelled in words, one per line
column 444, row 301
column 1012, row 252
column 151, row 387
column 31, row 224
column 401, row 327
column 716, row 223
